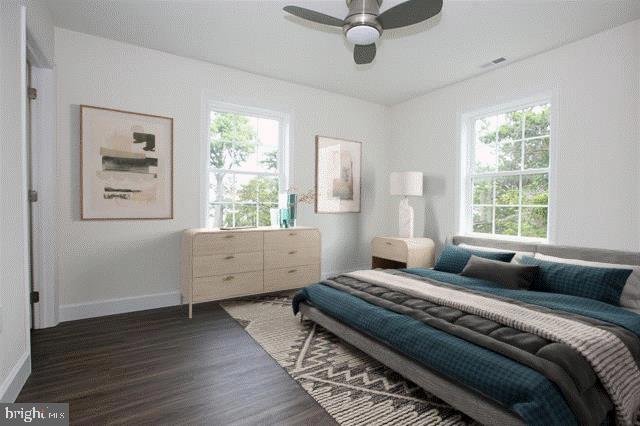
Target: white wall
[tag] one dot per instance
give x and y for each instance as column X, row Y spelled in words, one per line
column 597, row 137
column 121, row 259
column 40, row 33
column 14, row 315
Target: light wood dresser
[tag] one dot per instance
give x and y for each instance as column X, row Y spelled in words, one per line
column 220, row 264
column 396, row 252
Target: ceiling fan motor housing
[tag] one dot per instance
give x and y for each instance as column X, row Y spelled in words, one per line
column 361, row 25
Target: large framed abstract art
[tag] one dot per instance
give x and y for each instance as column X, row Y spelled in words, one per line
column 338, row 167
column 126, row 165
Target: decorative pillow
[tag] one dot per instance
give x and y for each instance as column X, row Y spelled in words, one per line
column 516, row 258
column 508, row 275
column 630, row 296
column 603, row 284
column 453, row 258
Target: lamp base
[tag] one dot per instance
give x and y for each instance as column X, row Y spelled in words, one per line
column 405, row 222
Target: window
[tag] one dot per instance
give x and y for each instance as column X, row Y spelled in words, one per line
column 507, row 181
column 245, row 166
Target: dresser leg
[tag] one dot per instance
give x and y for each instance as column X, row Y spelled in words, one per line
column 190, row 310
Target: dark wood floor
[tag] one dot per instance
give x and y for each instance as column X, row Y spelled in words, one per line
column 158, row 367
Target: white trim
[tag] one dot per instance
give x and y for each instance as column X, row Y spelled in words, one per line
column 43, row 175
column 464, row 195
column 100, row 308
column 23, row 188
column 12, row 385
column 285, row 150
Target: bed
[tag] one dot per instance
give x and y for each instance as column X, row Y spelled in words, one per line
column 501, row 356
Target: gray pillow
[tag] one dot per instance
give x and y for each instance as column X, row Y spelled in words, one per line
column 508, row 275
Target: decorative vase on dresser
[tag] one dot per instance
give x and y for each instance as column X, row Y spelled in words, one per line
column 219, row 264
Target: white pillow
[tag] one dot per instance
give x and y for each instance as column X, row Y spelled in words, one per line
column 630, row 296
column 516, row 258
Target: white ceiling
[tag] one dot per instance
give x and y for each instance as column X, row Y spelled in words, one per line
column 256, row 36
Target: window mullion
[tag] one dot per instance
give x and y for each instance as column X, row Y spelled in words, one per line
column 520, row 180
column 233, row 201
column 520, row 207
column 493, row 208
column 510, row 173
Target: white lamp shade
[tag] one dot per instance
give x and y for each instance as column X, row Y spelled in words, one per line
column 406, row 184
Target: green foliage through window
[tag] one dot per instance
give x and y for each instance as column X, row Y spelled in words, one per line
column 510, row 173
column 243, row 169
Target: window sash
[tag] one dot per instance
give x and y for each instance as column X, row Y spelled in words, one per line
column 279, row 174
column 257, row 205
column 244, row 172
column 510, row 173
column 233, row 203
column 471, row 174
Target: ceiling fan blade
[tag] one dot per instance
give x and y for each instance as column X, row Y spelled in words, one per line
column 408, row 13
column 364, row 54
column 312, row 15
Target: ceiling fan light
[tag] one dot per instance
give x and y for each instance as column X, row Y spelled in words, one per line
column 363, row 35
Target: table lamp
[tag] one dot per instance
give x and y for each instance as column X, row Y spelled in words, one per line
column 407, row 184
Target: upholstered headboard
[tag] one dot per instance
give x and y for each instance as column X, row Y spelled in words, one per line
column 567, row 252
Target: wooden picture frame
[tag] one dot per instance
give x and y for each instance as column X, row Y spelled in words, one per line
column 126, row 165
column 338, row 175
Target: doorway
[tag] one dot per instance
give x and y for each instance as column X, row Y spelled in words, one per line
column 41, row 157
column 32, row 197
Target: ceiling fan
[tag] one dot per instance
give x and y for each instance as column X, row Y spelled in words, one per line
column 364, row 23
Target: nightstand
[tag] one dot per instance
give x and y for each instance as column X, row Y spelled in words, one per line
column 396, row 252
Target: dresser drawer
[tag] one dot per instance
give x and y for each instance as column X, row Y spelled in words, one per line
column 388, row 248
column 274, row 259
column 289, row 278
column 227, row 243
column 225, row 286
column 218, row 264
column 291, row 239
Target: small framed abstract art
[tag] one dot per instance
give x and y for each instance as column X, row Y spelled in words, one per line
column 126, row 165
column 338, row 163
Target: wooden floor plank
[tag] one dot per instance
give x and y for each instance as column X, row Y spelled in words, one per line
column 158, row 367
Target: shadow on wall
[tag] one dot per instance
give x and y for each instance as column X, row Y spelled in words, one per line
column 434, row 186
column 122, row 268
column 74, row 162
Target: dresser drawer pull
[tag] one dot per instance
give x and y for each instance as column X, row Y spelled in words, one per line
column 229, row 257
column 388, row 243
column 229, row 236
column 229, row 278
column 291, row 271
column 293, row 252
column 292, row 234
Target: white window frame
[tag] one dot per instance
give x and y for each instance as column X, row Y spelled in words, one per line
column 467, row 136
column 284, row 154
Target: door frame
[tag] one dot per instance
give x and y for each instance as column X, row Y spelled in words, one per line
column 43, row 179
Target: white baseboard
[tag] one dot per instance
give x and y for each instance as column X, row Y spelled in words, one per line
column 11, row 387
column 102, row 308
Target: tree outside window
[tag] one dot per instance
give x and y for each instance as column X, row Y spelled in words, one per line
column 509, row 175
column 243, row 169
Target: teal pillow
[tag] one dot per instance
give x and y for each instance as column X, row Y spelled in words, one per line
column 603, row 284
column 453, row 258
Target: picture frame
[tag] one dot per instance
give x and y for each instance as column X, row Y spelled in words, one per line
column 126, row 165
column 338, row 175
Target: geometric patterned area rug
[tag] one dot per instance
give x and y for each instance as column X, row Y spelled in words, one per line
column 352, row 387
